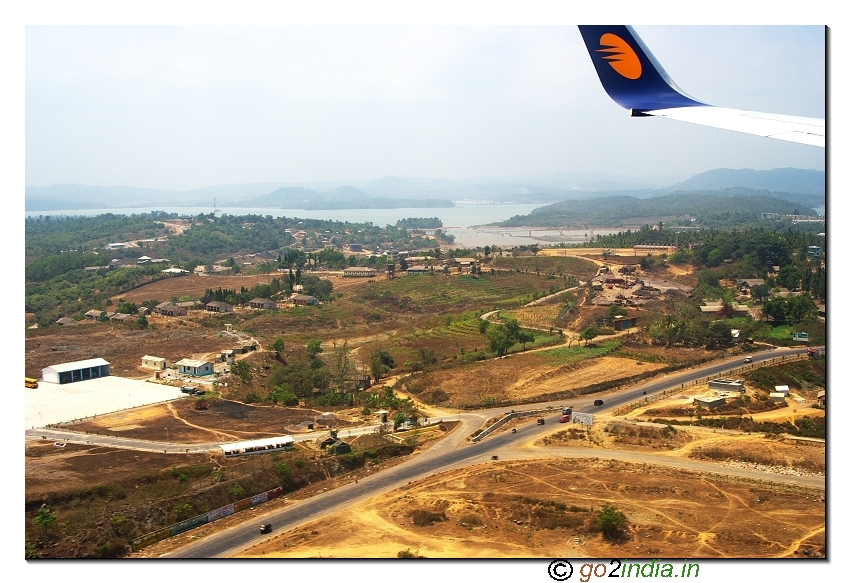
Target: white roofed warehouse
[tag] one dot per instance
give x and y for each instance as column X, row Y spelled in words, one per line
column 71, row 372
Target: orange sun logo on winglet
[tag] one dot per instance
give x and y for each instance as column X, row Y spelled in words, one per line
column 622, row 57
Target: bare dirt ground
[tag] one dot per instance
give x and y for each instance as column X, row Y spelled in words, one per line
column 222, row 421
column 545, row 508
column 775, row 454
column 526, row 376
column 76, row 467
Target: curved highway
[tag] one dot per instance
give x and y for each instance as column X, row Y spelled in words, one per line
column 455, row 451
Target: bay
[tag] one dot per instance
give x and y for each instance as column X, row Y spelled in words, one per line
column 467, row 220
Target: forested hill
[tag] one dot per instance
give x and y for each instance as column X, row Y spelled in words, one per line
column 344, row 197
column 727, row 208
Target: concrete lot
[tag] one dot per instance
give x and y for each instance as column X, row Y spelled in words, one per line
column 52, row 403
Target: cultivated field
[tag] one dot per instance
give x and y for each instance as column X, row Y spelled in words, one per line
column 546, row 508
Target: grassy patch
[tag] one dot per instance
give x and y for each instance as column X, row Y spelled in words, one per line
column 560, row 356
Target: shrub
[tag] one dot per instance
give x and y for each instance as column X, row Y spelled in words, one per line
column 612, row 522
column 426, row 517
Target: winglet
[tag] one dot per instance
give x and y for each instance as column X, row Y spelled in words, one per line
column 628, row 71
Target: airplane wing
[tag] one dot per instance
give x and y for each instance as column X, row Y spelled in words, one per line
column 634, row 79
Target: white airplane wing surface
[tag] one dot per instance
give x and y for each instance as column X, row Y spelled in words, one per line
column 634, row 79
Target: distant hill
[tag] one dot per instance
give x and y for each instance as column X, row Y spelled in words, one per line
column 806, row 187
column 725, row 208
column 342, row 197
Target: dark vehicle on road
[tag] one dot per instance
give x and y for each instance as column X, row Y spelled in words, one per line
column 189, row 390
column 200, row 392
column 597, row 402
column 265, row 528
column 541, row 421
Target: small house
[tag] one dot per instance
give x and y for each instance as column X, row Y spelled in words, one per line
column 327, row 442
column 303, row 300
column 93, row 314
column 782, row 389
column 143, row 260
column 339, row 448
column 777, row 397
column 154, row 362
column 822, row 398
column 195, row 368
column 418, row 269
column 170, row 309
column 66, row 321
column 709, row 402
column 120, row 318
column 815, row 251
column 262, row 304
column 622, row 323
column 219, row 307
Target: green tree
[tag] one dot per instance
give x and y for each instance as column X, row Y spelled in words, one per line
column 611, row 521
column 142, row 322
column 314, row 347
column 44, row 518
column 380, row 363
column 775, row 308
column 500, row 340
column 283, row 395
column 799, row 308
column 616, row 310
column 277, row 346
column 589, row 334
column 242, row 370
column 399, row 420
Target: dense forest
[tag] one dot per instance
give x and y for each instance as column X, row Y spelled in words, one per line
column 730, row 208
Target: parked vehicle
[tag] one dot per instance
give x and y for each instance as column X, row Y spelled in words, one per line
column 265, row 528
column 597, row 402
column 495, row 457
column 30, row 383
column 200, row 392
column 185, row 389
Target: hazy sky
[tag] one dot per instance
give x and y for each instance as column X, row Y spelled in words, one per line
column 185, row 107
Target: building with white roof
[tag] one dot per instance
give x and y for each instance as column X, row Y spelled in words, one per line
column 195, row 368
column 80, row 370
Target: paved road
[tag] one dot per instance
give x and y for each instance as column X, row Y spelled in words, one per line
column 455, row 451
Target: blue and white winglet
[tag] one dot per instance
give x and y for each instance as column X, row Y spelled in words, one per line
column 634, row 79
